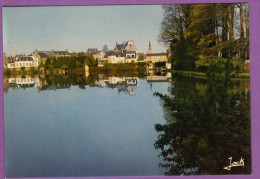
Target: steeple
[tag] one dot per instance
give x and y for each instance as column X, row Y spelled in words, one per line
column 150, row 48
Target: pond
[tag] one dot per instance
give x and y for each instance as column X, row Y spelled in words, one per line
column 76, row 126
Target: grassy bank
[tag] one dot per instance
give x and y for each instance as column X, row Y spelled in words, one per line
column 202, row 75
column 126, row 69
column 190, row 74
column 22, row 71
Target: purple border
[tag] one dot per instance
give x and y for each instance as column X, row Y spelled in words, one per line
column 254, row 6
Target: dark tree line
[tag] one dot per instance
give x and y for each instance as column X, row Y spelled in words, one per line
column 72, row 62
column 195, row 33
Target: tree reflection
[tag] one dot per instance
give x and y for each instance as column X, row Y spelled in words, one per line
column 205, row 129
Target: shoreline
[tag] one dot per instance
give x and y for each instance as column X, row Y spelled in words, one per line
column 203, row 75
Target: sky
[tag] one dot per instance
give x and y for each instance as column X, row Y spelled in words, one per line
column 77, row 28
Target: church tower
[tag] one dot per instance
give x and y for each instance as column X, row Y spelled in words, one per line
column 150, row 48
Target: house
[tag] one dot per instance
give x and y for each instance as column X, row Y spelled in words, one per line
column 99, row 55
column 53, row 53
column 42, row 57
column 27, row 61
column 115, row 59
column 122, row 53
column 131, row 56
column 152, row 58
column 156, row 57
column 128, row 49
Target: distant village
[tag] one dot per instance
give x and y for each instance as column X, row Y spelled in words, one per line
column 125, row 52
column 122, row 53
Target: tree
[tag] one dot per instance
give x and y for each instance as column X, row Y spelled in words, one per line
column 202, row 28
column 203, row 31
column 175, row 21
column 140, row 56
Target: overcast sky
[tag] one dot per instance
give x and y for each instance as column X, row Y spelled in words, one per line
column 77, row 28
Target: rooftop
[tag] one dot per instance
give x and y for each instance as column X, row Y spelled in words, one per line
column 157, row 54
column 25, row 59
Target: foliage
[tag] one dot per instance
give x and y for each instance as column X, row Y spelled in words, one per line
column 73, row 62
column 59, row 81
column 91, row 61
column 236, row 63
column 205, row 129
column 7, row 72
column 204, row 31
column 121, row 69
column 33, row 70
column 140, row 56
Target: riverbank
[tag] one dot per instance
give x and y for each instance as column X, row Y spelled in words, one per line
column 23, row 71
column 202, row 75
column 127, row 69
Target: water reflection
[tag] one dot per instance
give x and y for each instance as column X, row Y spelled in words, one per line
column 208, row 121
column 25, row 82
column 125, row 85
column 78, row 126
column 204, row 123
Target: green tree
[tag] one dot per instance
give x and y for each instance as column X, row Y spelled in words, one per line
column 175, row 21
column 204, row 31
column 140, row 56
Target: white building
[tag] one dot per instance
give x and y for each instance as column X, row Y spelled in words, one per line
column 102, row 61
column 156, row 57
column 27, row 61
column 128, row 49
column 115, row 59
column 99, row 55
column 27, row 81
column 116, row 80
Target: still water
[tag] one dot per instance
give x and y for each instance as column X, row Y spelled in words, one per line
column 99, row 126
column 103, row 130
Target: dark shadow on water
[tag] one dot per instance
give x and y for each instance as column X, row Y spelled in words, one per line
column 206, row 126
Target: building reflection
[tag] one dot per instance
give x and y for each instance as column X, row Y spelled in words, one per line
column 124, row 85
column 24, row 82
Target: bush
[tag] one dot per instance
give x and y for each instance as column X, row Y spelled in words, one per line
column 236, row 65
column 34, row 70
column 7, row 72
